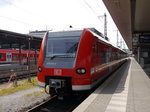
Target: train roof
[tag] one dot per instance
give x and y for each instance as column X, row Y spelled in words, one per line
column 65, row 33
column 73, row 31
column 101, row 37
column 78, row 32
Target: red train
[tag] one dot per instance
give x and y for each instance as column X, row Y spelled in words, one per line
column 76, row 60
column 12, row 56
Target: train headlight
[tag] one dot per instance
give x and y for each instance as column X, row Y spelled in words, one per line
column 81, row 71
column 40, row 69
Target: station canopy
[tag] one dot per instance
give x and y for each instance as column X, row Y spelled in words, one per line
column 131, row 17
column 15, row 40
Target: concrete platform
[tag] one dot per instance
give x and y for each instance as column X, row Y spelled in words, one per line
column 127, row 90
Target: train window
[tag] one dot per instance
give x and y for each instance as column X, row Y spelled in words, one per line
column 62, row 46
column 1, row 56
column 96, row 48
column 15, row 56
column 113, row 55
column 103, row 56
column 107, row 56
column 116, row 56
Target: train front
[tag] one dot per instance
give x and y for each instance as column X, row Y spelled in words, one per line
column 57, row 61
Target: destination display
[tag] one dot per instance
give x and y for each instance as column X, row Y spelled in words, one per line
column 144, row 39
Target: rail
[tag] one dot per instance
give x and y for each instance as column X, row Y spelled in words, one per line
column 20, row 72
column 37, row 107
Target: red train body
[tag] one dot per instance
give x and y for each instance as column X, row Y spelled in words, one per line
column 12, row 56
column 76, row 60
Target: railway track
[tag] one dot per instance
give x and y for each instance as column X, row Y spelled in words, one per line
column 23, row 76
column 40, row 106
column 20, row 71
column 56, row 105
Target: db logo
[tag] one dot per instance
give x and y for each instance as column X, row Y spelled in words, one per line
column 57, row 72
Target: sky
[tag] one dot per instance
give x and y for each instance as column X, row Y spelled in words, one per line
column 22, row 16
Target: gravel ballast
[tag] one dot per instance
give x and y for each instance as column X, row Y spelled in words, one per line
column 22, row 100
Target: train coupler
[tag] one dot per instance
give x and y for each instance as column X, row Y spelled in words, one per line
column 59, row 87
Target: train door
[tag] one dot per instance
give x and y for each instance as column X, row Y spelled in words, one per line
column 9, row 57
column 107, row 56
column 110, row 58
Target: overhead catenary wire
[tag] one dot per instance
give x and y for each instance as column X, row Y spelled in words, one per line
column 12, row 19
column 24, row 10
column 97, row 3
column 100, row 17
column 93, row 11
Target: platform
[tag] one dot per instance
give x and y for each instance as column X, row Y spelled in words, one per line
column 127, row 90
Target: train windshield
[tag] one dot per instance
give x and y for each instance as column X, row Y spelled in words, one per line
column 62, row 47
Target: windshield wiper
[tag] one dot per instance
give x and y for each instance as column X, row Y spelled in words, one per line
column 61, row 55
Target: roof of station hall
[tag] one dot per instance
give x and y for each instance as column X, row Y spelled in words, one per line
column 8, row 37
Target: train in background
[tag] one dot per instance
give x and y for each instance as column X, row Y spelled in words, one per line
column 12, row 56
column 76, row 60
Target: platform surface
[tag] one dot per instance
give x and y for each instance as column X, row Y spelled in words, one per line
column 126, row 90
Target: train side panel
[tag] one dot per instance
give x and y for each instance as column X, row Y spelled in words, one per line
column 12, row 56
column 41, row 75
column 100, row 60
column 2, row 57
column 83, row 60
